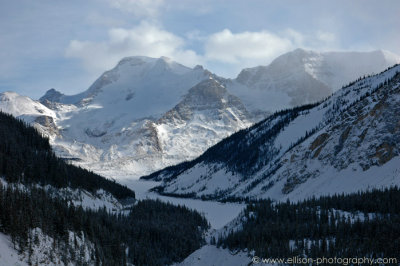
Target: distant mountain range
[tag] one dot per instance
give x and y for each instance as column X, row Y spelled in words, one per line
column 146, row 113
column 346, row 143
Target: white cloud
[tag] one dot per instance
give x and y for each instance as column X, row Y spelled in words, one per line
column 225, row 52
column 294, row 36
column 145, row 40
column 195, row 35
column 327, row 37
column 235, row 51
column 249, row 48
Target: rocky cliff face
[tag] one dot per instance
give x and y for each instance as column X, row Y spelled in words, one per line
column 207, row 113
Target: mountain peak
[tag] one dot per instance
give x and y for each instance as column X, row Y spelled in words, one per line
column 51, row 95
column 302, row 51
column 135, row 60
column 8, row 95
column 144, row 64
column 166, row 59
column 305, row 76
column 210, row 85
column 17, row 105
column 166, row 64
column 198, row 67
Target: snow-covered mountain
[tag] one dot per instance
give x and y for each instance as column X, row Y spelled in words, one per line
column 147, row 113
column 346, row 143
column 143, row 115
column 30, row 111
column 302, row 77
column 143, row 86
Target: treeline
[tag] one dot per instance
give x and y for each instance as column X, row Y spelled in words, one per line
column 154, row 233
column 26, row 157
column 356, row 225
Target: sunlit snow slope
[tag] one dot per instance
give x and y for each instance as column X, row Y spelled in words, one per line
column 346, row 143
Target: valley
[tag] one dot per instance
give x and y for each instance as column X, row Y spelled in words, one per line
column 176, row 142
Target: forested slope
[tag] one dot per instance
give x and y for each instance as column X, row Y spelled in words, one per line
column 364, row 224
column 42, row 222
column 153, row 233
column 26, row 157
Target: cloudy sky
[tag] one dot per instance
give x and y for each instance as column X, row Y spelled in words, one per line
column 67, row 44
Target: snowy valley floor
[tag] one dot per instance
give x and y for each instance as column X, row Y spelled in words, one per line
column 218, row 214
column 213, row 256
